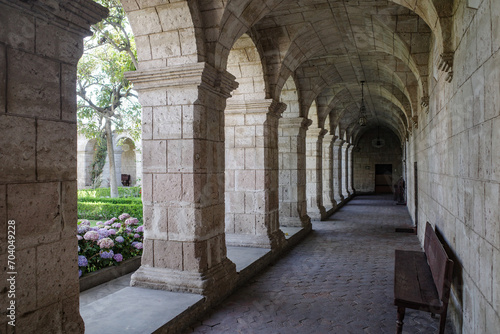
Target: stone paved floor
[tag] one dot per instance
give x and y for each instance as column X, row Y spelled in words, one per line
column 338, row 280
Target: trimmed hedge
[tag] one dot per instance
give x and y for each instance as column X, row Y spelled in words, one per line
column 105, row 192
column 102, row 210
column 119, row 200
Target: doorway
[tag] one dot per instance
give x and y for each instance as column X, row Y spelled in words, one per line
column 383, row 178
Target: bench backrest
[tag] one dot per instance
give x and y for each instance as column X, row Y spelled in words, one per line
column 441, row 266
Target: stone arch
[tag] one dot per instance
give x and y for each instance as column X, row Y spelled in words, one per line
column 166, row 34
column 128, row 159
column 251, row 140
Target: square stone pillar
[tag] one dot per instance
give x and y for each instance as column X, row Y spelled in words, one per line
column 40, row 45
column 314, row 165
column 292, row 172
column 350, row 170
column 328, row 200
column 252, row 201
column 337, row 171
column 183, row 179
column 345, row 170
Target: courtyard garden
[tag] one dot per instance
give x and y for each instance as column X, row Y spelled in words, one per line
column 109, row 229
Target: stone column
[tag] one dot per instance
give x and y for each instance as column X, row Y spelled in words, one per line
column 350, row 170
column 314, row 163
column 252, row 201
column 328, row 201
column 292, row 172
column 345, row 171
column 337, row 171
column 183, row 179
column 40, row 45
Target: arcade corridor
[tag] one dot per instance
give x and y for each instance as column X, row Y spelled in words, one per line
column 338, row 280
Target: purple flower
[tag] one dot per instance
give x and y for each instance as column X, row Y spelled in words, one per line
column 85, row 222
column 128, row 230
column 79, row 237
column 91, row 235
column 113, row 219
column 105, row 243
column 79, row 273
column 99, row 223
column 116, row 225
column 94, row 228
column 124, row 216
column 111, row 232
column 118, row 257
column 132, row 221
column 82, row 229
column 109, row 222
column 137, row 236
column 138, row 245
column 140, row 228
column 106, row 254
column 119, row 239
column 82, row 261
column 79, row 247
column 103, row 233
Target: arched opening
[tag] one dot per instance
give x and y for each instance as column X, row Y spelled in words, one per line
column 378, row 161
column 128, row 170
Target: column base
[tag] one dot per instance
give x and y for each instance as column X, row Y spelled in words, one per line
column 214, row 282
column 274, row 241
column 295, row 221
column 316, row 213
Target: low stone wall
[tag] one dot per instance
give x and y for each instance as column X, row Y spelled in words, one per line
column 107, row 274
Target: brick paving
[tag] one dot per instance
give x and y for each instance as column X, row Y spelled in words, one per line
column 338, row 280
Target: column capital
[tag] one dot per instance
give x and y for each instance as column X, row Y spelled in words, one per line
column 200, row 74
column 329, row 138
column 295, row 122
column 338, row 142
column 317, row 132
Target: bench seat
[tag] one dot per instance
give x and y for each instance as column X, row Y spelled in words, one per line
column 413, row 283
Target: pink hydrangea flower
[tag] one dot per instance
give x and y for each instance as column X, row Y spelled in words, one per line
column 140, row 229
column 124, row 216
column 116, row 225
column 85, row 222
column 79, row 237
column 91, row 235
column 132, row 221
column 111, row 232
column 105, row 243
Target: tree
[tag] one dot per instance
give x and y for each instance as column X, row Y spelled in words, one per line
column 106, row 101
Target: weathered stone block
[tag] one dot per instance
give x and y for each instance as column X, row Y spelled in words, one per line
column 57, row 43
column 26, row 278
column 244, row 223
column 35, row 208
column 195, row 256
column 69, row 212
column 72, row 322
column 182, row 223
column 18, row 30
column 68, row 93
column 18, row 152
column 154, row 156
column 245, row 180
column 3, row 77
column 168, row 254
column 156, row 226
column 165, row 45
column 56, row 154
column 167, row 187
column 47, row 319
column 33, row 85
column 144, row 22
column 57, row 271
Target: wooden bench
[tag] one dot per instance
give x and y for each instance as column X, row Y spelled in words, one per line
column 422, row 279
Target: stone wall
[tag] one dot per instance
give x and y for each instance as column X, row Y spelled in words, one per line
column 40, row 44
column 455, row 148
column 366, row 156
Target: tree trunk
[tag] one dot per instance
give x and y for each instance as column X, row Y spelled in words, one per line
column 111, row 157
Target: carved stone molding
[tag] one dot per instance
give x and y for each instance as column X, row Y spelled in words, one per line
column 446, row 64
column 414, row 120
column 201, row 74
column 424, row 102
